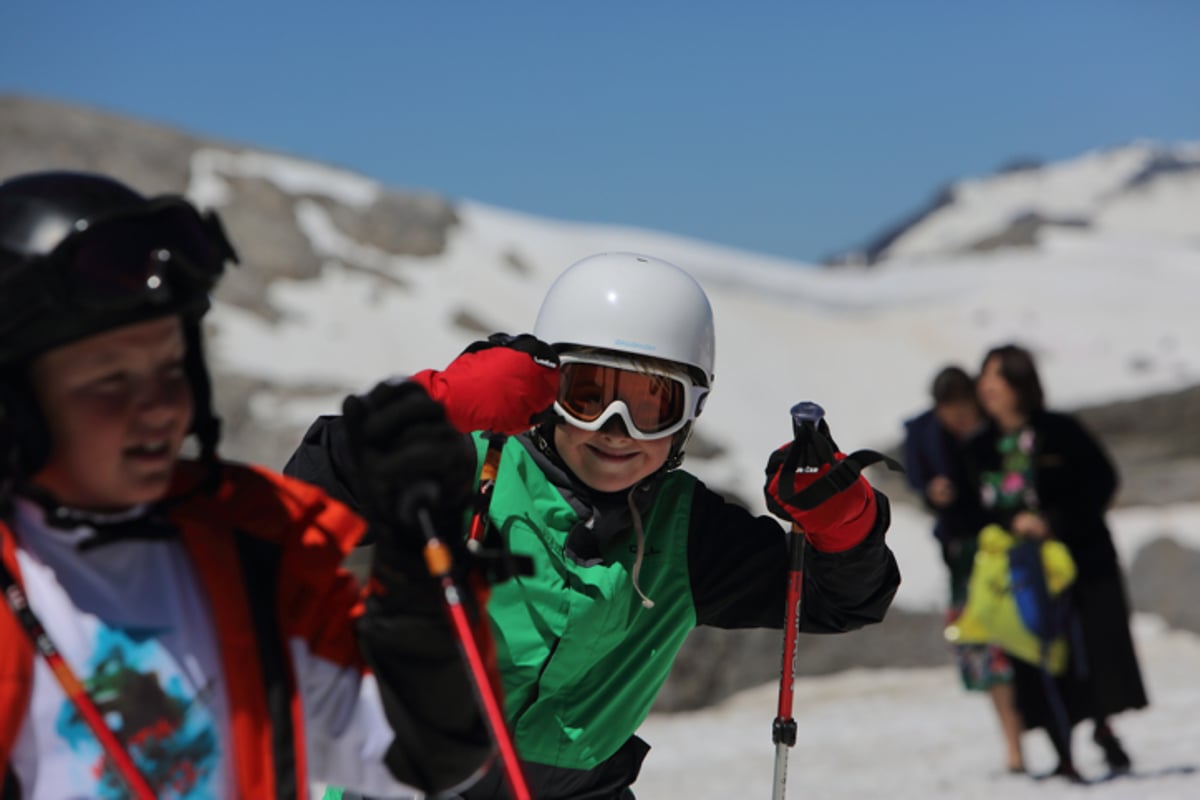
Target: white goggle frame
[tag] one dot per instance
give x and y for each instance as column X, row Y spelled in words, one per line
column 693, row 395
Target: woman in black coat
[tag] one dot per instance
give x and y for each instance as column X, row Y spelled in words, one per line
column 1041, row 474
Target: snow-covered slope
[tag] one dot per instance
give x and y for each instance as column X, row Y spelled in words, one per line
column 916, row 735
column 1110, row 315
column 1109, row 311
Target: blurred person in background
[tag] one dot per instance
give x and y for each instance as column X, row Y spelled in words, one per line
column 936, row 468
column 1041, row 474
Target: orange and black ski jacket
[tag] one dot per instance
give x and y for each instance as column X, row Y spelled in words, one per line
column 267, row 551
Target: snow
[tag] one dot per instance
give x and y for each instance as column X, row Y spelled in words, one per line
column 1109, row 312
column 1091, row 188
column 917, row 735
column 291, row 175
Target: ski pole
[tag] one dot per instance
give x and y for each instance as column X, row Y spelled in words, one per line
column 805, row 417
column 513, row 773
column 75, row 691
column 440, row 562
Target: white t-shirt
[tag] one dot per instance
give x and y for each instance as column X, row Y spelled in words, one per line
column 129, row 618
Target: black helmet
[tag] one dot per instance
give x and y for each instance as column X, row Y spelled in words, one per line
column 81, row 254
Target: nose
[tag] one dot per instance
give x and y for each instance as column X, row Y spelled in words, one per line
column 163, row 398
column 615, row 426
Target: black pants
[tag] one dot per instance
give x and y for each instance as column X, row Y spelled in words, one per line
column 607, row 781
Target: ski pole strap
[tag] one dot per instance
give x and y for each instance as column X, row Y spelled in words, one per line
column 497, row 562
column 812, row 448
column 841, row 477
column 72, row 687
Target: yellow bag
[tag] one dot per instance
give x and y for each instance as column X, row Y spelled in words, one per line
column 991, row 615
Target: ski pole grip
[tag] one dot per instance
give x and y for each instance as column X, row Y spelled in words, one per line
column 806, row 415
column 806, row 411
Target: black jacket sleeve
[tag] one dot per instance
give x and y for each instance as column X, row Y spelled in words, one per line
column 441, row 739
column 1076, row 482
column 324, row 459
column 738, row 570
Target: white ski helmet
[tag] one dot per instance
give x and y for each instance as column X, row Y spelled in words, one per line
column 630, row 303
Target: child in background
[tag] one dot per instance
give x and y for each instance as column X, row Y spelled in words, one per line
column 936, row 466
column 201, row 603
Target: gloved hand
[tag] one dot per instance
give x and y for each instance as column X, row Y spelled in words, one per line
column 504, row 385
column 838, row 523
column 409, row 457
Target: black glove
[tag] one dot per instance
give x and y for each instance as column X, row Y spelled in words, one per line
column 410, row 459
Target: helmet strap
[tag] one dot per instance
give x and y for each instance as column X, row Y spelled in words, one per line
column 678, row 442
column 24, row 434
column 205, row 423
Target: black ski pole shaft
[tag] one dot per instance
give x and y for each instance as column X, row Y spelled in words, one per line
column 805, row 417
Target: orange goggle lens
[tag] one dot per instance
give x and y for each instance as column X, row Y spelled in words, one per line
column 654, row 402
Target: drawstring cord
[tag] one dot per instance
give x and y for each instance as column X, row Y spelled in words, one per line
column 641, row 549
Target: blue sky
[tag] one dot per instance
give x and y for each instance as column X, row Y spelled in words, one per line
column 794, row 128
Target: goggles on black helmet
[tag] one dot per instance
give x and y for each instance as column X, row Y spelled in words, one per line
column 653, row 401
column 122, row 260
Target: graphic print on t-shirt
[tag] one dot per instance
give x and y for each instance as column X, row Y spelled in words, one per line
column 152, row 708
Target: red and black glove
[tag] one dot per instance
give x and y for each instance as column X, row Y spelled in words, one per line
column 504, row 385
column 837, row 523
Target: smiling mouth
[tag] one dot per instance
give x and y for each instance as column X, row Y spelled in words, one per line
column 149, row 450
column 611, row 456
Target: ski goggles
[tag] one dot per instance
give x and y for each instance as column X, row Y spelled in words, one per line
column 653, row 402
column 165, row 250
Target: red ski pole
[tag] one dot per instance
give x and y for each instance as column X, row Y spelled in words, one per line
column 440, row 562
column 805, row 417
column 75, row 691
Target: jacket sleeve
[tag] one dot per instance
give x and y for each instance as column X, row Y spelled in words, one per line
column 919, row 440
column 1076, row 479
column 417, row 686
column 738, row 565
column 324, row 459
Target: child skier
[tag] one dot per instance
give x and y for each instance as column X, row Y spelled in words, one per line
column 200, row 603
column 629, row 552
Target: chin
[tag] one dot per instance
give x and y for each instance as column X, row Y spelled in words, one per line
column 144, row 491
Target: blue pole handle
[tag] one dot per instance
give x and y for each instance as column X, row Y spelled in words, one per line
column 807, row 411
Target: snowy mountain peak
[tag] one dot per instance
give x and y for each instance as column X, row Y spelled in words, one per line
column 1142, row 189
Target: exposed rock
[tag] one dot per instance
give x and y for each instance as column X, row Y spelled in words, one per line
column 402, row 224
column 1023, row 231
column 261, row 222
column 516, row 262
column 260, row 218
column 715, row 664
column 39, row 134
column 1162, row 579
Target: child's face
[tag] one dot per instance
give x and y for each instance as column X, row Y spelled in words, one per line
column 959, row 417
column 608, row 460
column 118, row 405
